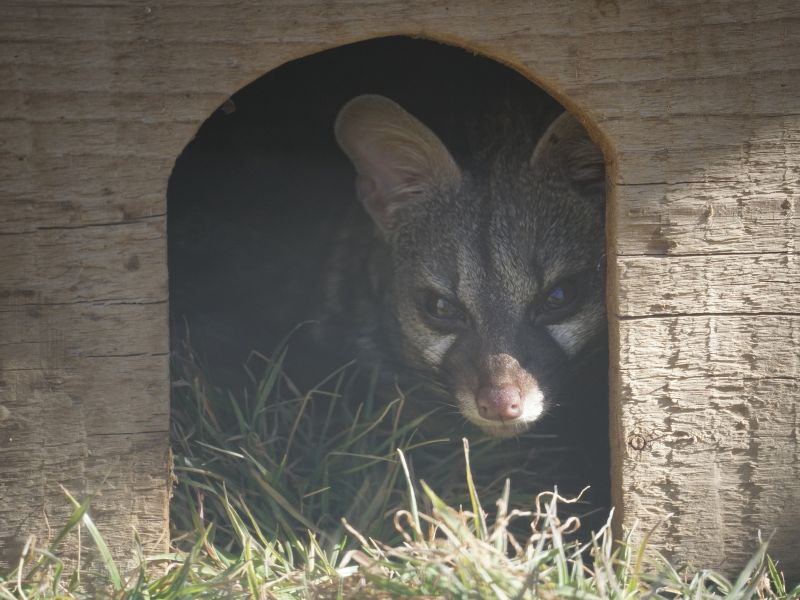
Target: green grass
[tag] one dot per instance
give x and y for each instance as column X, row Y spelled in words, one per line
column 283, row 494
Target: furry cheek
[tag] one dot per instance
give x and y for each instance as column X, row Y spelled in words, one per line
column 534, row 405
column 434, row 353
column 573, row 335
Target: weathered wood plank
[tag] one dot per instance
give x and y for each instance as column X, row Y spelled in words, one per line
column 105, row 138
column 45, row 336
column 705, row 218
column 698, row 346
column 111, row 466
column 124, row 262
column 309, row 22
column 115, row 400
column 82, row 409
column 105, row 105
column 713, row 132
column 75, row 191
column 635, row 53
column 78, row 212
column 764, row 151
column 680, row 285
column 710, row 400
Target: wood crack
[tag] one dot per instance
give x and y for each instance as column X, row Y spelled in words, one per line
column 131, row 355
column 127, row 433
column 98, row 302
column 706, row 314
column 711, row 254
column 37, row 228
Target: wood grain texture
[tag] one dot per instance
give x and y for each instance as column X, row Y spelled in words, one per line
column 709, row 218
column 81, row 264
column 711, row 437
column 697, row 104
column 743, row 284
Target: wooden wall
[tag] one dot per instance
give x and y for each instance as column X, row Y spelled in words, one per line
column 696, row 102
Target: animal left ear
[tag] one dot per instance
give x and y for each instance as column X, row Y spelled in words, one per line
column 399, row 160
column 567, row 148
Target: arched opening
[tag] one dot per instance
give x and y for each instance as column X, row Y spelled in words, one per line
column 490, row 300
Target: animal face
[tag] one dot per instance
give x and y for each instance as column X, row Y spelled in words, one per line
column 493, row 285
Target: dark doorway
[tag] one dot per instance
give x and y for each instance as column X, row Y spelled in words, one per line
column 257, row 199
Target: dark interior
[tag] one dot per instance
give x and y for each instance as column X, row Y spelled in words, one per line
column 252, row 197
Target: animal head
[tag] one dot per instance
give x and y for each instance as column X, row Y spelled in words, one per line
column 494, row 283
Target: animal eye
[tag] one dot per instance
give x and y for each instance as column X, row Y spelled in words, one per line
column 557, row 302
column 557, row 297
column 443, row 310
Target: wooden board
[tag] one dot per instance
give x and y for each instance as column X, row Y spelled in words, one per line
column 710, row 433
column 697, row 104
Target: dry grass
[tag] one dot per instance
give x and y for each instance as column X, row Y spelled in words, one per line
column 287, row 495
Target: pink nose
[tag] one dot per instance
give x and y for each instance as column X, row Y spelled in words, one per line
column 499, row 403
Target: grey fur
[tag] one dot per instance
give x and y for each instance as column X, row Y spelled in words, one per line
column 494, row 244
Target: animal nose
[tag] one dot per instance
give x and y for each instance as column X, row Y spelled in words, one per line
column 500, row 403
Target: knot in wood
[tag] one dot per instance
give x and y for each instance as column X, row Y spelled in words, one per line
column 637, row 441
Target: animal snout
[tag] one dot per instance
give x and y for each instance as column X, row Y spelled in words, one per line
column 499, row 403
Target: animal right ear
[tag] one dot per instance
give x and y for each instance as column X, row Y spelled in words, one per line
column 567, row 147
column 397, row 158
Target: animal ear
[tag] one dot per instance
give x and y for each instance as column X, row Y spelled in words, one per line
column 398, row 159
column 567, row 147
